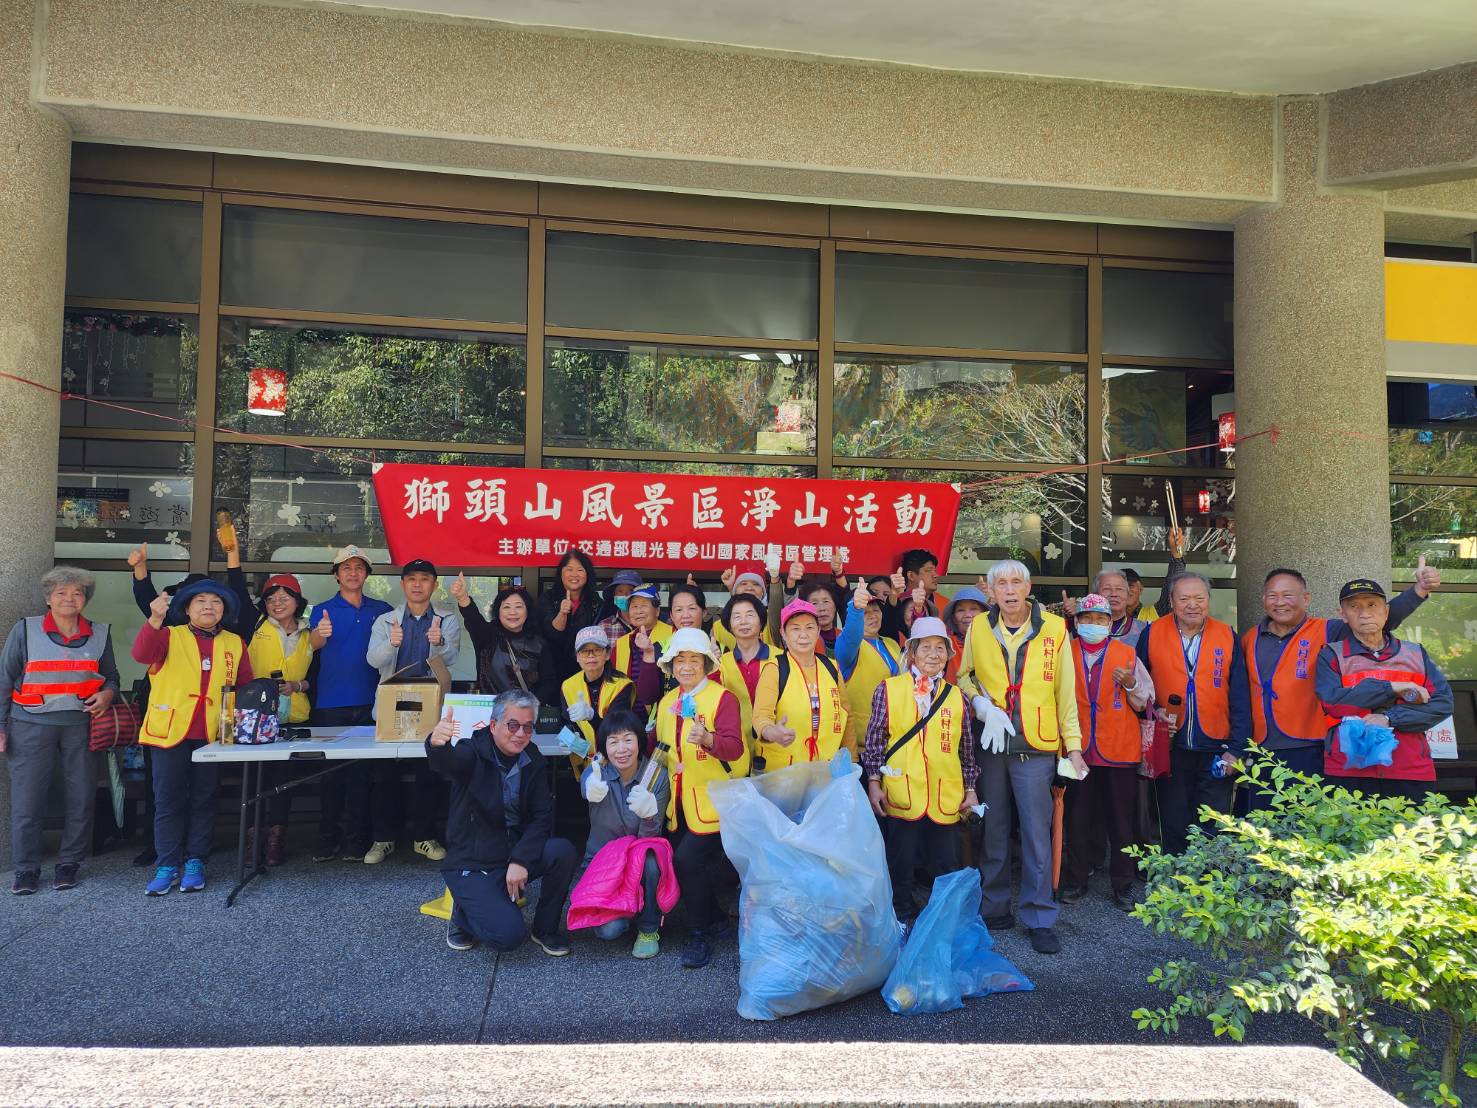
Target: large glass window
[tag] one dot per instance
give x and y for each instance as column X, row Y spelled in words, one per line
column 1433, row 427
column 895, row 407
column 140, row 364
column 1037, row 520
column 380, row 384
column 322, row 261
column 1149, row 313
column 671, row 398
column 112, row 603
column 678, row 287
column 689, row 469
column 296, row 504
column 1446, row 625
column 1439, row 521
column 1136, row 522
column 131, row 248
column 910, row 300
column 1151, row 411
column 112, row 495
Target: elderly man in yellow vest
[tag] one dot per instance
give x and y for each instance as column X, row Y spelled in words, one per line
column 1017, row 668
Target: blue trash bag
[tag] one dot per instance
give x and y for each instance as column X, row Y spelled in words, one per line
column 816, row 924
column 949, row 954
column 1365, row 744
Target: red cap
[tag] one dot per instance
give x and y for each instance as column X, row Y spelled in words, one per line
column 283, row 580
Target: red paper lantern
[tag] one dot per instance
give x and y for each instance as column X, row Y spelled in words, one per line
column 1202, row 501
column 266, row 392
column 1228, row 432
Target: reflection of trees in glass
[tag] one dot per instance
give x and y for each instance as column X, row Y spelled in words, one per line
column 1208, row 538
column 957, row 409
column 1040, row 521
column 1451, row 451
column 1446, row 625
column 132, row 356
column 395, row 386
column 688, row 469
column 679, row 399
column 1439, row 521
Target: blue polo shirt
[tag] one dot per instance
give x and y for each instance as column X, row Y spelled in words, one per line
column 345, row 679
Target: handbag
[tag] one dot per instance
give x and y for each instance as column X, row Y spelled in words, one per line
column 116, row 726
column 1157, row 737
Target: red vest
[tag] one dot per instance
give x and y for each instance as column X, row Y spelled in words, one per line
column 1411, row 760
column 1110, row 727
column 1288, row 692
column 1212, row 673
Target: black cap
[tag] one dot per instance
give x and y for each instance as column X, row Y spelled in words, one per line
column 417, row 565
column 1361, row 586
column 1130, row 575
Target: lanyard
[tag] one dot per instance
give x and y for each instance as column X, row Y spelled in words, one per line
column 814, row 691
column 1191, row 712
column 1094, row 678
column 892, row 664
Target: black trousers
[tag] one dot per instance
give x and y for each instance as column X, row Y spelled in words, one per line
column 698, row 860
column 911, row 843
column 1189, row 787
column 333, row 789
column 480, row 902
column 1101, row 810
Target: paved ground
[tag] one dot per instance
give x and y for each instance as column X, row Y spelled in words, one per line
column 338, row 954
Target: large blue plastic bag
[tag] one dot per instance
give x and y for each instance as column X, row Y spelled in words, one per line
column 816, row 924
column 949, row 954
column 1365, row 744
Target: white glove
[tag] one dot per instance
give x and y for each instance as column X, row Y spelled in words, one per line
column 997, row 725
column 641, row 802
column 596, row 789
column 580, row 711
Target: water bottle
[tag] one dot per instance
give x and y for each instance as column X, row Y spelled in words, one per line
column 284, row 700
column 1171, row 712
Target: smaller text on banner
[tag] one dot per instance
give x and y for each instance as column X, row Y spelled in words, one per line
column 470, row 515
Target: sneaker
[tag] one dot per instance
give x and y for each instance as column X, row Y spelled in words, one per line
column 165, row 878
column 378, row 853
column 430, row 848
column 1044, row 940
column 354, row 851
column 1000, row 923
column 720, row 931
column 276, row 844
column 1123, row 900
column 698, row 952
column 328, row 848
column 1072, row 893
column 26, row 882
column 146, row 856
column 647, row 945
column 193, row 880
column 458, row 939
column 551, row 945
column 65, row 876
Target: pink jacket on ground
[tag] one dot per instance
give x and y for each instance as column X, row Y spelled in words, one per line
column 611, row 886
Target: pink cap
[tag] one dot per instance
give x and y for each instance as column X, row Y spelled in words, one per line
column 797, row 608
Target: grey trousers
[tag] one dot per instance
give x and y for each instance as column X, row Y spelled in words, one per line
column 1008, row 780
column 31, row 751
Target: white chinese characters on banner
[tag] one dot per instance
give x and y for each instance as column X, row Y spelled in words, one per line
column 424, row 496
column 487, row 499
column 599, row 504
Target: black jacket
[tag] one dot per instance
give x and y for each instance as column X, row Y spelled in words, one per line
column 477, row 835
column 561, row 643
column 502, row 657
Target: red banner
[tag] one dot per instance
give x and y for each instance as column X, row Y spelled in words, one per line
column 469, row 515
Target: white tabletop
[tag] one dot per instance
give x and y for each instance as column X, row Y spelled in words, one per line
column 338, row 744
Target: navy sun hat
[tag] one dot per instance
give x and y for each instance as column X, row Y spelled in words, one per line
column 191, row 589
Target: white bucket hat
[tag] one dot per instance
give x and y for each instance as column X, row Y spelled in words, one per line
column 689, row 639
column 930, row 627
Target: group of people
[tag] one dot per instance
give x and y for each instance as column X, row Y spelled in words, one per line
column 963, row 711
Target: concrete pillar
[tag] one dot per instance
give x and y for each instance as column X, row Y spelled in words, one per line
column 1310, row 359
column 34, row 172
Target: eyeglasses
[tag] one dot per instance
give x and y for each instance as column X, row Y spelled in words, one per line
column 523, row 728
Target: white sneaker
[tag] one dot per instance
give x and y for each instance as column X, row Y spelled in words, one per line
column 378, row 853
column 430, row 848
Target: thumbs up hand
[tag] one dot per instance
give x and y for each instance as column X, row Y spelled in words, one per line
column 446, row 730
column 322, row 633
column 728, row 577
column 1427, row 578
column 596, row 789
column 397, row 633
column 458, row 590
column 899, row 582
column 433, row 635
column 1069, row 605
column 158, row 609
column 862, row 596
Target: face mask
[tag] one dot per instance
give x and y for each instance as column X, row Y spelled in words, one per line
column 1093, row 633
column 622, row 603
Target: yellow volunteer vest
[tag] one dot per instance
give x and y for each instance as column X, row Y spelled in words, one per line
column 574, row 688
column 1148, row 613
column 1045, row 654
column 267, row 658
column 930, row 782
column 174, row 686
column 794, row 708
column 690, row 767
column 870, row 672
column 621, row 656
column 733, row 681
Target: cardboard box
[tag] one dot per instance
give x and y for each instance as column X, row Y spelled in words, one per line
column 405, row 710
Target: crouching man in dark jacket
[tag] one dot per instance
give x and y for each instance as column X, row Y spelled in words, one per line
column 498, row 830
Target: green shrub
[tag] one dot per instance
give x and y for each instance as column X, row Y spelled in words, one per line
column 1351, row 911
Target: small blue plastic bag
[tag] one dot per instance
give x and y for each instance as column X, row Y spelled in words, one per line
column 949, row 954
column 1366, row 745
